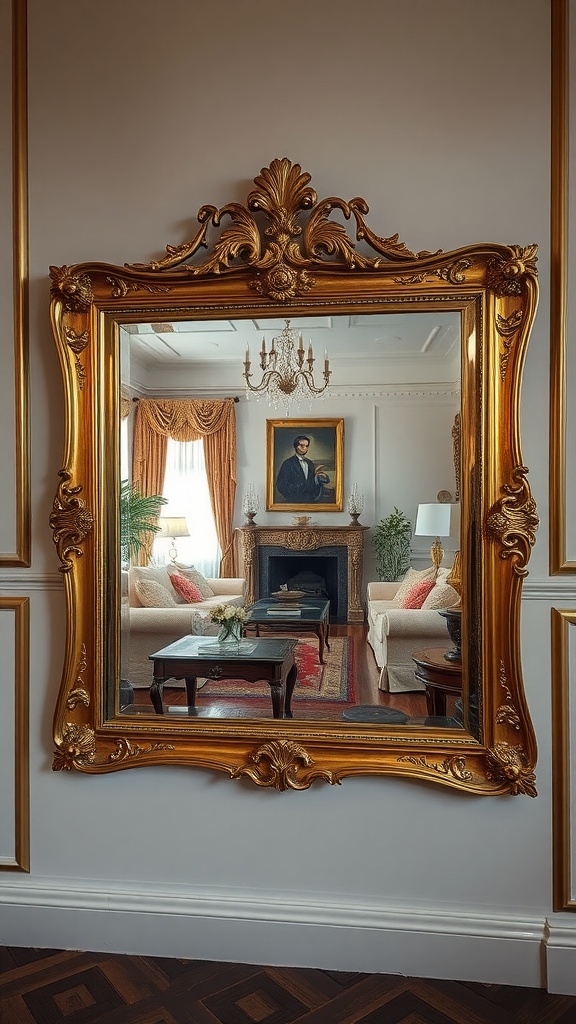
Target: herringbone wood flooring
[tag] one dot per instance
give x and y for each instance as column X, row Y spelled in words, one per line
column 49, row 986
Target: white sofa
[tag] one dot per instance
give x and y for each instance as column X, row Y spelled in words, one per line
column 396, row 633
column 151, row 629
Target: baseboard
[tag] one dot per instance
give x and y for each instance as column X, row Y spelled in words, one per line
column 561, row 958
column 306, row 930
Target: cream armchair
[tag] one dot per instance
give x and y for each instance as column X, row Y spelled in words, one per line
column 395, row 634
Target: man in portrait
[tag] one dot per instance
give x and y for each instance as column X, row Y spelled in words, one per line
column 299, row 480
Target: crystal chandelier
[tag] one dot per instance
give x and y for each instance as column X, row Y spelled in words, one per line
column 284, row 375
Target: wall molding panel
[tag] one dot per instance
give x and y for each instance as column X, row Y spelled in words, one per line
column 563, row 765
column 14, row 735
column 15, row 531
column 562, row 553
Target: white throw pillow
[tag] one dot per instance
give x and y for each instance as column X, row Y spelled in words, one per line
column 153, row 574
column 442, row 595
column 154, row 595
column 195, row 577
column 412, row 576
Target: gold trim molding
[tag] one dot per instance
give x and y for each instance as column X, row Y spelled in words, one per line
column 282, row 250
column 563, row 800
column 21, row 608
column 22, row 555
column 560, row 563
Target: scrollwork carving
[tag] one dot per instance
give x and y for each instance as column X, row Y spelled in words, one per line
column 507, row 713
column 509, row 765
column 277, row 764
column 513, row 521
column 125, row 749
column 79, row 694
column 282, row 254
column 508, row 328
column 75, row 289
column 454, row 766
column 70, row 520
column 77, row 748
column 77, row 343
column 506, row 277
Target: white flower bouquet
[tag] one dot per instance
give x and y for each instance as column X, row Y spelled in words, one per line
column 224, row 613
column 230, row 618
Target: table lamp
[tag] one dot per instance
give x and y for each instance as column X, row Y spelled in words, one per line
column 172, row 527
column 433, row 520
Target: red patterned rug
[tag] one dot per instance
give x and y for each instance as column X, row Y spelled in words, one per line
column 333, row 682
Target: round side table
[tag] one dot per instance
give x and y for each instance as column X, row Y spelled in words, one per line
column 439, row 677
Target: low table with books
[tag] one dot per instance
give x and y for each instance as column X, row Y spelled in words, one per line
column 308, row 615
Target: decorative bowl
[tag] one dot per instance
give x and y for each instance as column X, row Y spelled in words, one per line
column 288, row 595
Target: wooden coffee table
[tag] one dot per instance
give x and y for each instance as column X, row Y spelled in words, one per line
column 253, row 660
column 313, row 617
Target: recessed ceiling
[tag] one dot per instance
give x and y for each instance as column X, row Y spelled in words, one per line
column 433, row 336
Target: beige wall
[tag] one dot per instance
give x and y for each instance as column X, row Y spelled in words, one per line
column 139, row 112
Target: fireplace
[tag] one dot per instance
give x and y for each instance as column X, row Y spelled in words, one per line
column 276, row 566
column 271, row 557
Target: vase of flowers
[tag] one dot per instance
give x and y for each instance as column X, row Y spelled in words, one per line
column 230, row 618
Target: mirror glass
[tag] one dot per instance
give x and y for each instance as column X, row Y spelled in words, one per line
column 396, row 382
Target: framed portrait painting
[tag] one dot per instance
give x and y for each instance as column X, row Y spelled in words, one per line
column 304, row 465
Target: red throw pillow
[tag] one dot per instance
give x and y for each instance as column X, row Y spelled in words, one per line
column 418, row 593
column 184, row 588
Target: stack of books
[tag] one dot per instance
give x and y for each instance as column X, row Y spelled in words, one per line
column 284, row 610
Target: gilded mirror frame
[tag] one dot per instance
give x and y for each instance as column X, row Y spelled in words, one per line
column 282, row 251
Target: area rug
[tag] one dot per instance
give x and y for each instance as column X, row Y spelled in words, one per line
column 333, row 682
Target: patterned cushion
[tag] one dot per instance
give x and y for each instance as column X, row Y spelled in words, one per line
column 441, row 596
column 418, row 593
column 412, row 576
column 185, row 588
column 154, row 595
column 195, row 577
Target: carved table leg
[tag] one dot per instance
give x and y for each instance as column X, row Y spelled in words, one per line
column 156, row 695
column 191, row 682
column 278, row 693
column 290, row 684
column 321, row 641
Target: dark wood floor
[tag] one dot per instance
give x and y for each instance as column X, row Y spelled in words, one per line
column 367, row 692
column 54, row 987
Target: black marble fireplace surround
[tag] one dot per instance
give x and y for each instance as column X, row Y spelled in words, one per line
column 269, row 556
column 277, row 565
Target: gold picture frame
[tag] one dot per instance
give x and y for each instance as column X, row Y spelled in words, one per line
column 282, row 254
column 318, row 487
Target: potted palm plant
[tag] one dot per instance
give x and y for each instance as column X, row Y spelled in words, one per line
column 392, row 539
column 138, row 513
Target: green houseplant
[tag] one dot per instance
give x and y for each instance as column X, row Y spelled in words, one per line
column 138, row 513
column 392, row 538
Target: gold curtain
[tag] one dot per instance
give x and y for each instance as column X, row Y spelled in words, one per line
column 189, row 419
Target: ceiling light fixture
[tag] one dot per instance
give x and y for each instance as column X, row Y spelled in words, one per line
column 284, row 375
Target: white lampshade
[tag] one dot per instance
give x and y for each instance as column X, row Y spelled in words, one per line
column 433, row 520
column 173, row 526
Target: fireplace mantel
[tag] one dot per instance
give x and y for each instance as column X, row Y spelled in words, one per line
column 303, row 541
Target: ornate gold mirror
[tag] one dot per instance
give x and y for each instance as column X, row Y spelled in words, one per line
column 286, row 258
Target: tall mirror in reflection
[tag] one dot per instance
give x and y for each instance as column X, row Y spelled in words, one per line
column 378, row 643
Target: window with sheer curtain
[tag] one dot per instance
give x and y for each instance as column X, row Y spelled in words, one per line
column 186, row 491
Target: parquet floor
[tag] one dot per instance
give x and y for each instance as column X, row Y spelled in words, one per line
column 56, row 987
